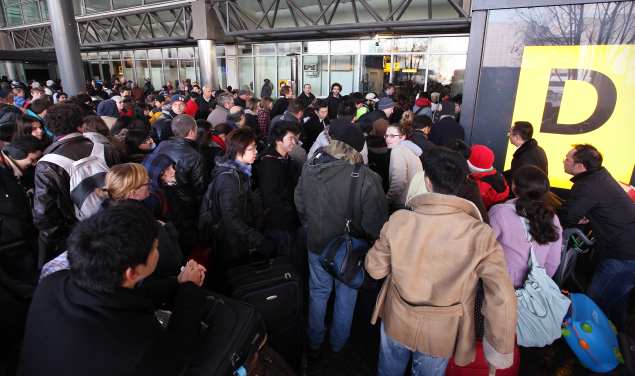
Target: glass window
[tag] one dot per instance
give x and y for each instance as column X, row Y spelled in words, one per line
column 345, row 47
column 104, row 56
column 170, row 53
column 343, row 71
column 448, row 44
column 126, row 54
column 187, row 70
column 376, row 46
column 93, row 6
column 142, row 69
column 128, row 68
column 375, row 72
column 317, row 47
column 117, row 68
column 287, row 48
column 445, row 74
column 44, row 10
column 171, row 72
column 77, row 7
column 154, row 54
column 140, row 54
column 93, row 55
column 284, row 73
column 265, row 49
column 155, row 73
column 315, row 72
column 115, row 55
column 222, row 72
column 186, row 53
column 14, row 15
column 265, row 68
column 412, row 45
column 220, row 51
column 246, row 72
column 244, row 49
column 125, row 3
column 409, row 73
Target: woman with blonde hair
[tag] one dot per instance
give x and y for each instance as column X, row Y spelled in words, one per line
column 124, row 183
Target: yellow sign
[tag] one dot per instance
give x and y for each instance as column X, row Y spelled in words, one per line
column 577, row 95
column 396, row 67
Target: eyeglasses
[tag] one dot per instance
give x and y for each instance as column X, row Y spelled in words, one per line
column 391, row 135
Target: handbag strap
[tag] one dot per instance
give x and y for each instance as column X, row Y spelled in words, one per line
column 351, row 196
column 531, row 260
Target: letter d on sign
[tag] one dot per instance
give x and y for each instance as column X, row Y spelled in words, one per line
column 579, row 94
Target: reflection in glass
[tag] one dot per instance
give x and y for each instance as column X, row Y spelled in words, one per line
column 345, row 46
column 265, row 68
column 265, row 49
column 246, row 72
column 222, row 72
column 30, row 13
column 375, row 72
column 187, row 70
column 171, row 72
column 14, row 15
column 343, row 70
column 125, row 3
column 155, row 73
column 128, row 68
column 142, row 69
column 409, row 73
column 448, row 44
column 317, row 47
column 93, row 6
column 286, row 48
column 315, row 72
column 446, row 74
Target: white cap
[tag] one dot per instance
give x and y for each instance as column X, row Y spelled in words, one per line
column 371, row 97
column 117, row 98
column 50, row 83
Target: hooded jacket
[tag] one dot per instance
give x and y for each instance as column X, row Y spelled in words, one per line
column 108, row 108
column 321, row 197
column 433, row 257
column 404, row 164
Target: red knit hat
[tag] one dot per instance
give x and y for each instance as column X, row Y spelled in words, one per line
column 422, row 102
column 481, row 158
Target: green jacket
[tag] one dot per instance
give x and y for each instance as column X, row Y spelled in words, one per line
column 321, row 197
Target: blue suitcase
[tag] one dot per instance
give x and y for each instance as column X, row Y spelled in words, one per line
column 590, row 335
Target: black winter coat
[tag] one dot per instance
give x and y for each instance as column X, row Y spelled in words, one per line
column 204, row 107
column 279, row 107
column 334, row 103
column 16, row 222
column 74, row 331
column 162, row 128
column 53, row 211
column 277, row 178
column 232, row 212
column 311, row 129
column 611, row 213
column 366, row 121
column 529, row 153
column 306, row 100
column 446, row 131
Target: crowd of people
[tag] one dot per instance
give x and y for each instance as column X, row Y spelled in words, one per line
column 110, row 197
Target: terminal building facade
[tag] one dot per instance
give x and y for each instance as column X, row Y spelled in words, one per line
column 360, row 44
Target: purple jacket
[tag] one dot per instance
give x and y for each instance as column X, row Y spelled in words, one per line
column 511, row 235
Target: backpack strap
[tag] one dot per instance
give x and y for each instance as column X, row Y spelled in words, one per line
column 351, row 196
column 59, row 160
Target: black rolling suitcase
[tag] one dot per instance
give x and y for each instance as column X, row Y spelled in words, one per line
column 275, row 290
column 233, row 332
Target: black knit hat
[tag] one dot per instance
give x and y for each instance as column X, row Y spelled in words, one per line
column 348, row 133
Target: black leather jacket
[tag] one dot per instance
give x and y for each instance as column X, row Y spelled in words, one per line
column 53, row 212
column 190, row 174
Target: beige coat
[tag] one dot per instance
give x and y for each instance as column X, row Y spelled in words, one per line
column 433, row 257
column 404, row 164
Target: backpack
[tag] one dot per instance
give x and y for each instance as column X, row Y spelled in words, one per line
column 86, row 175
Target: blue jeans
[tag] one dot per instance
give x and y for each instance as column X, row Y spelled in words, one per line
column 393, row 359
column 320, row 287
column 612, row 282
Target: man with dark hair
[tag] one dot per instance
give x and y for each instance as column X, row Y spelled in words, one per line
column 528, row 153
column 162, row 129
column 448, row 228
column 8, row 116
column 293, row 114
column 334, row 99
column 389, row 91
column 597, row 198
column 421, row 126
column 191, row 178
column 314, row 122
column 307, row 97
column 53, row 209
column 106, row 320
column 277, row 178
column 322, row 198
